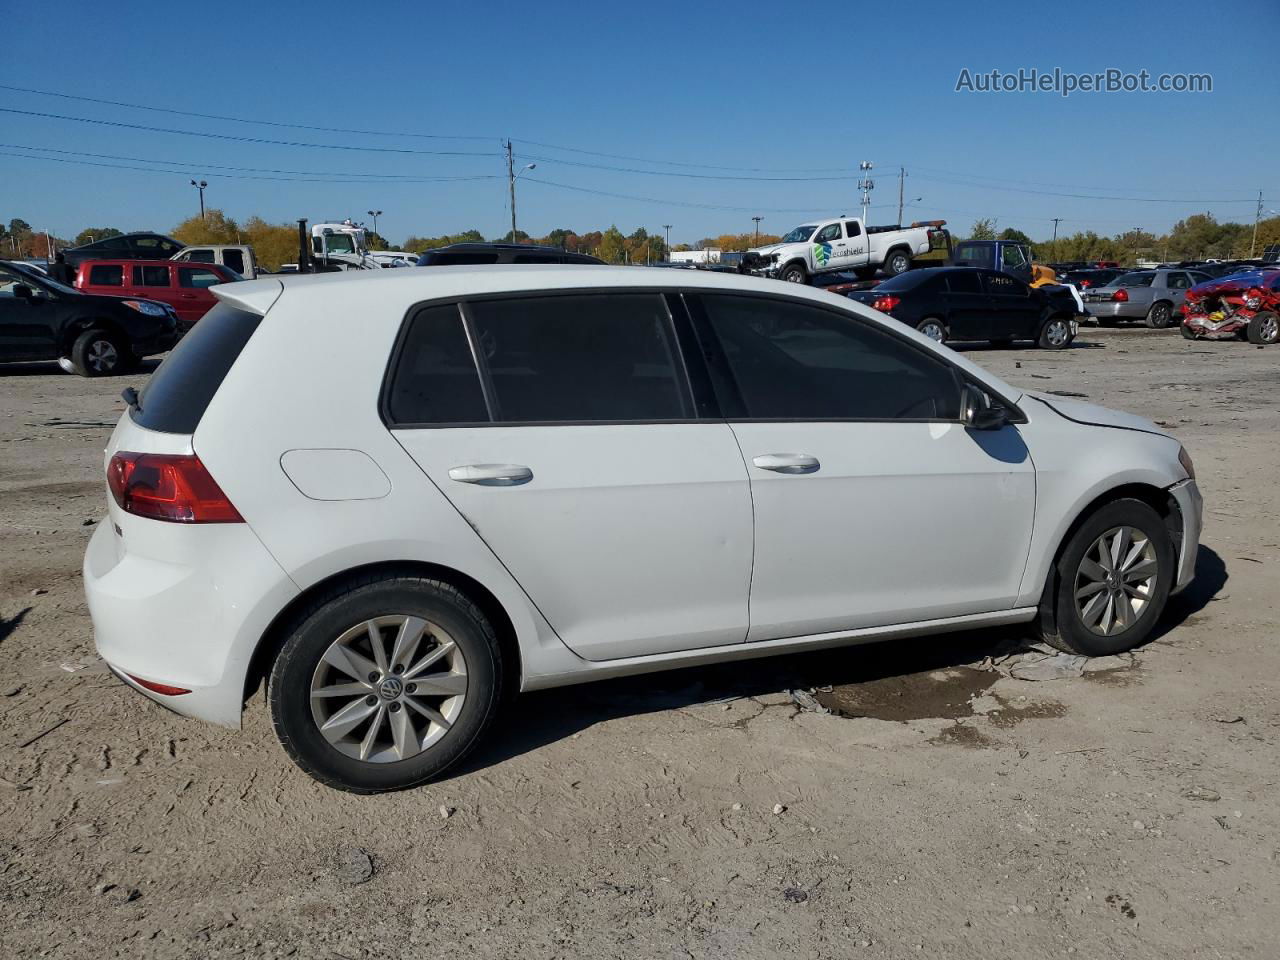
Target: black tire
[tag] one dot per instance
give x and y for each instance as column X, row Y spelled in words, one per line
column 898, row 261
column 1055, row 334
column 794, row 273
column 1264, row 328
column 99, row 353
column 1187, row 331
column 1159, row 315
column 929, row 324
column 446, row 610
column 1069, row 631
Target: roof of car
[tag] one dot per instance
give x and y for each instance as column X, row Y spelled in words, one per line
column 400, row 290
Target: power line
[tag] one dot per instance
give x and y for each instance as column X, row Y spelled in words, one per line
column 267, row 123
column 367, row 177
column 228, row 136
column 1074, row 196
column 676, row 203
column 232, row 176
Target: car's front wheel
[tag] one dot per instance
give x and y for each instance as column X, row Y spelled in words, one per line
column 899, row 261
column 1112, row 580
column 1056, row 334
column 386, row 684
column 99, row 353
column 1264, row 328
column 795, row 273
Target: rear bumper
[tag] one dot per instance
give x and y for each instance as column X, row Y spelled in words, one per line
column 1191, row 505
column 191, row 622
column 1108, row 310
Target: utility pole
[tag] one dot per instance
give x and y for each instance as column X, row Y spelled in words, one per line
column 902, row 176
column 866, row 185
column 667, row 228
column 512, row 174
column 1056, row 221
column 757, row 223
column 1256, row 217
column 200, row 186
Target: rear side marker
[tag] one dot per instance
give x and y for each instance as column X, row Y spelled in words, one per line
column 161, row 688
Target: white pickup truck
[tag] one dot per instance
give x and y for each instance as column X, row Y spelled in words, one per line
column 840, row 244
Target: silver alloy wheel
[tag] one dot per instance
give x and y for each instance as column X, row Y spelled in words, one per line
column 1270, row 329
column 1057, row 332
column 102, row 356
column 388, row 688
column 794, row 276
column 1116, row 580
column 898, row 264
column 933, row 330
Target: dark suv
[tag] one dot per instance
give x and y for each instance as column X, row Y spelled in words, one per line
column 469, row 253
column 128, row 246
column 94, row 336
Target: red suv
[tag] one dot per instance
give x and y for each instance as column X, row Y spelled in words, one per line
column 184, row 286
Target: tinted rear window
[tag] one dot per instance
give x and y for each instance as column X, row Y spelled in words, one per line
column 179, row 392
column 904, row 281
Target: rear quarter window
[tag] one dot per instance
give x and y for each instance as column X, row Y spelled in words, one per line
column 179, row 392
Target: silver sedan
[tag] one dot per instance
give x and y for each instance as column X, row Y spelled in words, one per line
column 1149, row 295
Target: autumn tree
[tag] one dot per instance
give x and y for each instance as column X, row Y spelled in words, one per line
column 613, row 246
column 744, row 241
column 273, row 243
column 214, row 227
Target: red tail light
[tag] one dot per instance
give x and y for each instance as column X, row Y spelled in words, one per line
column 885, row 303
column 1084, row 284
column 1121, row 295
column 164, row 486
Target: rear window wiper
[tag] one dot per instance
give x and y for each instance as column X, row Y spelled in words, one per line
column 130, row 396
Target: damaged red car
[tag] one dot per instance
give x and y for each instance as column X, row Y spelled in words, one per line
column 1245, row 306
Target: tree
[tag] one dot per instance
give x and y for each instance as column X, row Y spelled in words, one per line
column 273, row 244
column 214, row 227
column 704, row 243
column 743, row 241
column 90, row 234
column 984, row 229
column 613, row 246
column 422, row 244
column 1016, row 236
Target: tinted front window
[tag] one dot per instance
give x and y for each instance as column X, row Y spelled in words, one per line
column 150, row 276
column 106, row 275
column 198, row 277
column 178, row 393
column 1013, row 257
column 435, row 379
column 580, row 358
column 799, row 362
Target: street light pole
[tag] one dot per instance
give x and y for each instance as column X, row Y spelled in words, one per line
column 375, row 214
column 667, row 242
column 757, row 223
column 512, row 174
column 200, row 186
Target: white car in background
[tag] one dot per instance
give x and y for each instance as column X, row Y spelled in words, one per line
column 529, row 476
column 394, row 258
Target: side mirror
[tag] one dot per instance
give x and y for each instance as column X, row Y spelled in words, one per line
column 23, row 292
column 979, row 413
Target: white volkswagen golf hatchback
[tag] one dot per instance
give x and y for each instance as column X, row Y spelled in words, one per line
column 397, row 497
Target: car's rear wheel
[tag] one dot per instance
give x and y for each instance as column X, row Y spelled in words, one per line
column 1264, row 327
column 1111, row 581
column 386, row 684
column 1056, row 334
column 898, row 261
column 933, row 328
column 1159, row 315
column 795, row 273
column 99, row 353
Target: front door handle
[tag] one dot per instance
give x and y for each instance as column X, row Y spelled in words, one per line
column 492, row 474
column 787, row 462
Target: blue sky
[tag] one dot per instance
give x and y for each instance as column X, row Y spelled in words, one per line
column 714, row 90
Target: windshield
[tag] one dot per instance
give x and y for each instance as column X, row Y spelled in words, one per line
column 340, row 243
column 1134, row 280
column 800, row 234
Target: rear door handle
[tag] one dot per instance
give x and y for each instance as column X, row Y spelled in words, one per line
column 787, row 462
column 492, row 474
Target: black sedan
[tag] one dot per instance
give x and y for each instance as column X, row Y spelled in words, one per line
column 127, row 246
column 94, row 336
column 964, row 303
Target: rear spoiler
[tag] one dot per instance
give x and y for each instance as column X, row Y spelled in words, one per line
column 256, row 296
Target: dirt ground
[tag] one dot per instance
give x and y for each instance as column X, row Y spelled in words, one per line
column 941, row 812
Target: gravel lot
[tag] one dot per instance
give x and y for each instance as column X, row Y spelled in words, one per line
column 1126, row 813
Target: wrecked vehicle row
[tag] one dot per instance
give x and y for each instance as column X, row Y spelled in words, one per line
column 1241, row 307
